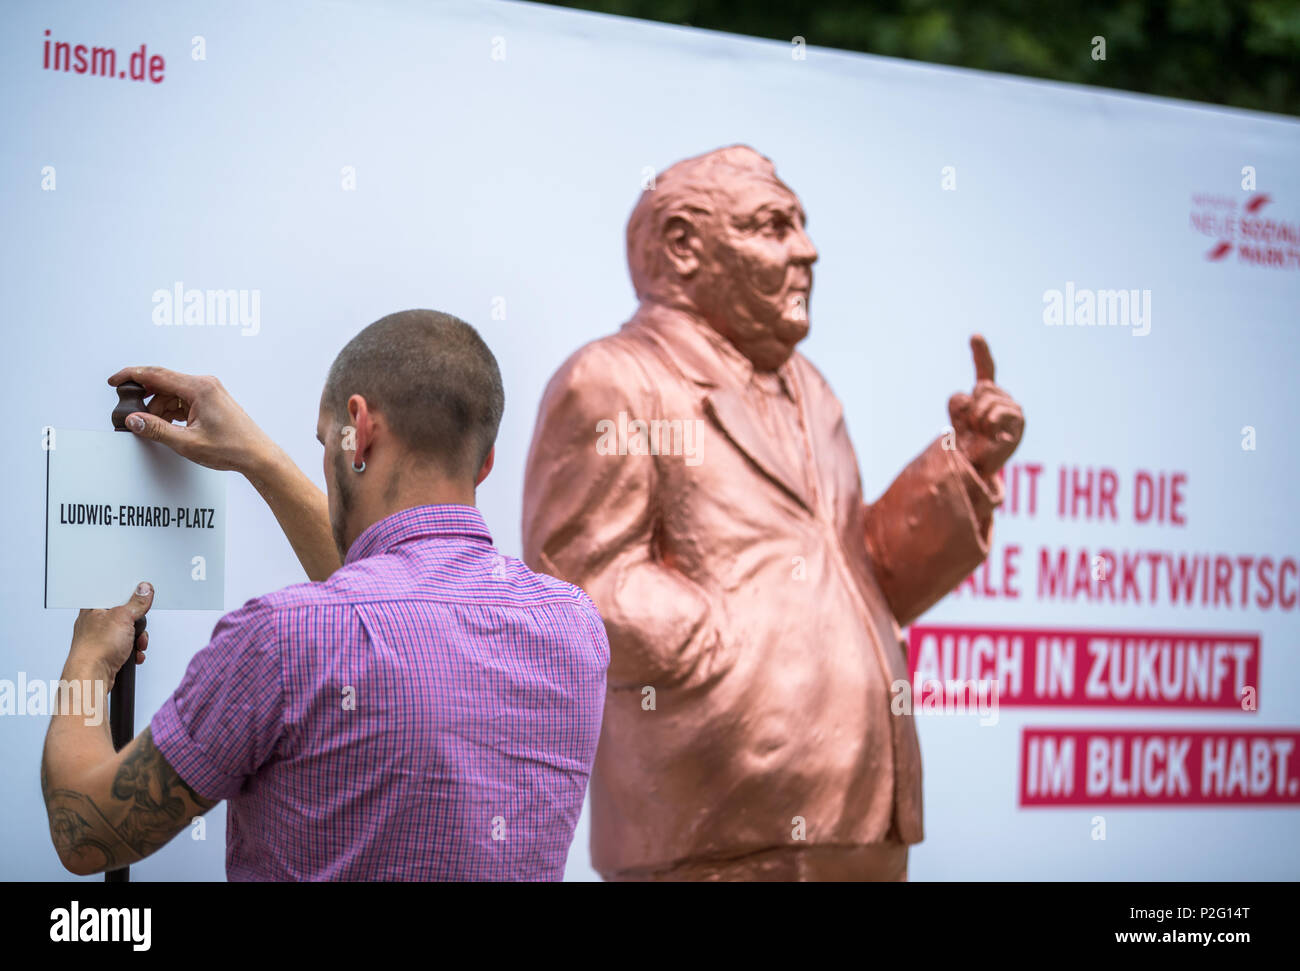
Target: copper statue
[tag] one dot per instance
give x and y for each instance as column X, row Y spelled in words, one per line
column 693, row 473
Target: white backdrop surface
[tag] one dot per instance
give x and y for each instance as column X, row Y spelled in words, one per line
column 497, row 149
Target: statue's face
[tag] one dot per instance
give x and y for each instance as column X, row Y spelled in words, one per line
column 757, row 276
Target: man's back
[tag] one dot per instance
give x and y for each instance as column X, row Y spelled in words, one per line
column 429, row 712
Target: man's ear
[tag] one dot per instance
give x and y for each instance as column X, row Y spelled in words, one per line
column 362, row 421
column 487, row 466
column 682, row 245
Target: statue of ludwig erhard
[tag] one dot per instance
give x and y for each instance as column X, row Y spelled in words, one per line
column 740, row 574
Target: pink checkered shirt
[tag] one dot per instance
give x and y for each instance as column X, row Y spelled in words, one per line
column 429, row 712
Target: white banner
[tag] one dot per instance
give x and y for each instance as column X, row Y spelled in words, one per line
column 261, row 181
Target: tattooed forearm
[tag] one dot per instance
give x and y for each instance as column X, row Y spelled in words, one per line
column 156, row 797
column 75, row 837
column 147, row 803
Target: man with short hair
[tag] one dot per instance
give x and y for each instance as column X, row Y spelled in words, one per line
column 428, row 710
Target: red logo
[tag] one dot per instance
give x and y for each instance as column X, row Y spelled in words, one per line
column 1258, row 239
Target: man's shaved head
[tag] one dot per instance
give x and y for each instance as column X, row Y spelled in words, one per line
column 432, row 378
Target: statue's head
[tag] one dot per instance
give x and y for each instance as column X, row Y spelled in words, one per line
column 721, row 236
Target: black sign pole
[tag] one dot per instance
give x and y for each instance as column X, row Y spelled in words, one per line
column 121, row 706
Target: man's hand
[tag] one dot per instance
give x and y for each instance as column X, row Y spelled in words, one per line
column 217, row 432
column 103, row 640
column 109, row 809
column 988, row 423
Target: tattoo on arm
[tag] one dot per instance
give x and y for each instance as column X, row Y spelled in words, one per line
column 152, row 820
column 149, row 803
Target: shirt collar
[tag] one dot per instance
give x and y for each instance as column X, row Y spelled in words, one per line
column 704, row 354
column 418, row 522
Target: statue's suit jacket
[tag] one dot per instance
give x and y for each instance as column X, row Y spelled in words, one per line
column 753, row 607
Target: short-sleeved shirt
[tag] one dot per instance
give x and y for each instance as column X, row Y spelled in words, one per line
column 431, row 711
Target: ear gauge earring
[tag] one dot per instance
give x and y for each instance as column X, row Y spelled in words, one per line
column 358, row 470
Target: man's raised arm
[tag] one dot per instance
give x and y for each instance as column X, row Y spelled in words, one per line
column 218, row 434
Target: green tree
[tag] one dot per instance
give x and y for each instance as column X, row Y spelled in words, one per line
column 1244, row 53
